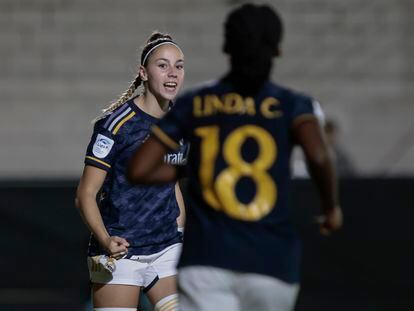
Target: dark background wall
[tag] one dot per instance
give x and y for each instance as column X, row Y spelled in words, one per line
column 43, row 247
column 367, row 266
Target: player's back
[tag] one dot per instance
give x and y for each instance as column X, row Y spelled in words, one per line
column 238, row 216
column 241, row 148
column 242, row 145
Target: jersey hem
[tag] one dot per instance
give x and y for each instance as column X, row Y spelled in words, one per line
column 97, row 163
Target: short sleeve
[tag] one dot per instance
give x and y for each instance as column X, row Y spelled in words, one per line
column 101, row 149
column 306, row 108
column 175, row 125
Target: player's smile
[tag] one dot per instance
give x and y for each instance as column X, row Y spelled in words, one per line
column 164, row 72
column 170, row 86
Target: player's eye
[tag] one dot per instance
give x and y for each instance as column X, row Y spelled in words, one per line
column 162, row 66
column 179, row 67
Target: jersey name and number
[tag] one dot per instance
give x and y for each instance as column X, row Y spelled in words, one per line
column 220, row 192
column 233, row 103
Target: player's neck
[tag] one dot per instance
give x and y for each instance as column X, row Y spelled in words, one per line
column 148, row 103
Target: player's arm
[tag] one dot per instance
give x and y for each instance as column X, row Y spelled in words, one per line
column 147, row 164
column 308, row 134
column 180, row 201
column 90, row 183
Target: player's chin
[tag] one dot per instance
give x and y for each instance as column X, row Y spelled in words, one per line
column 169, row 94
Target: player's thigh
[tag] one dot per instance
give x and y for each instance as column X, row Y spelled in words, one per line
column 117, row 288
column 115, row 296
column 263, row 293
column 204, row 288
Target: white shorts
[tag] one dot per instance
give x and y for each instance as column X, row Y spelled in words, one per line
column 203, row 288
column 138, row 270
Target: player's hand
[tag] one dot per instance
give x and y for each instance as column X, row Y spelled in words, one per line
column 116, row 246
column 331, row 221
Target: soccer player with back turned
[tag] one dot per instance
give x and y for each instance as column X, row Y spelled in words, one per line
column 241, row 250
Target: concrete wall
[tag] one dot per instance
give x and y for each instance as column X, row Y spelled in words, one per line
column 62, row 61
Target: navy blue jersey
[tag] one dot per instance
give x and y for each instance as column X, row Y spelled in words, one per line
column 144, row 215
column 238, row 166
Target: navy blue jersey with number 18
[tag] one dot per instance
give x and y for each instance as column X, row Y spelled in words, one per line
column 238, row 165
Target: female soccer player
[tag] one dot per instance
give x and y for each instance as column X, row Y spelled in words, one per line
column 135, row 241
column 241, row 250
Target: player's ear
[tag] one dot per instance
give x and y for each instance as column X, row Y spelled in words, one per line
column 142, row 72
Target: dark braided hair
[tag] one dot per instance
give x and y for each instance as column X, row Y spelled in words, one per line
column 154, row 39
column 252, row 37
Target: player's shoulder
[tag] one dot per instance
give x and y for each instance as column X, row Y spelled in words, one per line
column 112, row 121
column 289, row 94
column 299, row 104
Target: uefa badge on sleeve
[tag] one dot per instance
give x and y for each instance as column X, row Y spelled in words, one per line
column 102, row 146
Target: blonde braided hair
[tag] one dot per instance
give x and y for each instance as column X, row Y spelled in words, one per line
column 127, row 94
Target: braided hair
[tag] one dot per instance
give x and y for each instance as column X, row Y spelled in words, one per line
column 252, row 37
column 155, row 38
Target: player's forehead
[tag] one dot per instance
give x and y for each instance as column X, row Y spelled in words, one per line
column 167, row 52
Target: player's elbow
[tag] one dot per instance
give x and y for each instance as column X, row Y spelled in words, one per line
column 77, row 202
column 84, row 195
column 78, row 199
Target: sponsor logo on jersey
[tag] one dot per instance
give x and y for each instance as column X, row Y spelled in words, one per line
column 102, row 146
column 175, row 158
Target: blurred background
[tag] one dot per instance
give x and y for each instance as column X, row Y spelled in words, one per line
column 62, row 61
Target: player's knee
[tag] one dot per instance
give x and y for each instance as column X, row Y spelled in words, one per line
column 169, row 303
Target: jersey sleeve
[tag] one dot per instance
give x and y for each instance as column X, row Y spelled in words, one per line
column 175, row 125
column 306, row 108
column 102, row 148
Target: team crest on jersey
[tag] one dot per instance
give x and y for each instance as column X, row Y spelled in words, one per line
column 102, row 146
